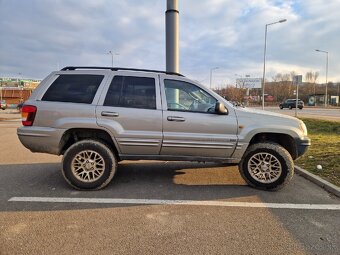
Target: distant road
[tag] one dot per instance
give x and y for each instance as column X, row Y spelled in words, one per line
column 316, row 113
column 307, row 112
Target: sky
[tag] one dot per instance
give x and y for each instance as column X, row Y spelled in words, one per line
column 41, row 36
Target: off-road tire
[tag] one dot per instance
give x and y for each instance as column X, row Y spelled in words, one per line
column 290, row 107
column 281, row 154
column 109, row 169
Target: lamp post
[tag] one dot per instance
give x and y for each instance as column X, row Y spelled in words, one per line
column 211, row 70
column 326, row 94
column 338, row 94
column 112, row 53
column 264, row 57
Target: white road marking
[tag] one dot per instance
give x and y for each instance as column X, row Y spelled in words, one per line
column 175, row 202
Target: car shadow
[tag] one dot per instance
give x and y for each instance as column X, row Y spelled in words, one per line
column 137, row 180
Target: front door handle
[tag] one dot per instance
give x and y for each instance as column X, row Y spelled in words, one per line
column 175, row 118
column 110, row 114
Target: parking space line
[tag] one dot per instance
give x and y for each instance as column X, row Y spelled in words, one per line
column 175, row 202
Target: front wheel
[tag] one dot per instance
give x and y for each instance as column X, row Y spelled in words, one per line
column 89, row 164
column 267, row 166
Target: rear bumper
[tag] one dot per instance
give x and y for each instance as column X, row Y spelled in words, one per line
column 41, row 139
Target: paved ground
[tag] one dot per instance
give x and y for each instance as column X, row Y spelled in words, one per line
column 121, row 228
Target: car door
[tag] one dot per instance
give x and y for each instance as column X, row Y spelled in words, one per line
column 191, row 127
column 130, row 108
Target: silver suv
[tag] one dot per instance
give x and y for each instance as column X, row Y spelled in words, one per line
column 97, row 116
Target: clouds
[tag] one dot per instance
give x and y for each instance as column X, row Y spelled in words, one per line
column 38, row 35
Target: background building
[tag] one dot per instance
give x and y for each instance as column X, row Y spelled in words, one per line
column 16, row 90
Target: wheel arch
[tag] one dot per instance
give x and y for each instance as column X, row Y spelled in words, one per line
column 285, row 140
column 77, row 134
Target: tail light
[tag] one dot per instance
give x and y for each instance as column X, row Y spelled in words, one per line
column 28, row 114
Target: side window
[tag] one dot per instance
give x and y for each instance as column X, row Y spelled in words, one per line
column 183, row 96
column 131, row 92
column 74, row 88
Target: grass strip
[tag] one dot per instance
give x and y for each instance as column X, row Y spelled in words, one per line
column 324, row 151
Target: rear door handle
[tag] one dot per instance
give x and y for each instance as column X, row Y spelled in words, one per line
column 175, row 118
column 110, row 114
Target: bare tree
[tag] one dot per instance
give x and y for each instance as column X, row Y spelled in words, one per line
column 309, row 77
column 280, row 87
column 315, row 76
column 309, row 82
column 233, row 94
column 312, row 77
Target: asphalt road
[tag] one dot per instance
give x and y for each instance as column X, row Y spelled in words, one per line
column 123, row 228
column 309, row 112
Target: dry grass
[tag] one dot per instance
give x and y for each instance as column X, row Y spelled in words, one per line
column 324, row 151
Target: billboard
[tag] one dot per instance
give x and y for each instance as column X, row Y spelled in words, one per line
column 249, row 83
column 297, row 79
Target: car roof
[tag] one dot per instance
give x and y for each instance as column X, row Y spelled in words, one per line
column 71, row 68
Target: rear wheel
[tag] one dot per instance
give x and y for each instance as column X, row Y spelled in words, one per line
column 267, row 166
column 281, row 107
column 290, row 107
column 89, row 164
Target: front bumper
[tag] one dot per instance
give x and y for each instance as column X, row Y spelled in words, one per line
column 302, row 146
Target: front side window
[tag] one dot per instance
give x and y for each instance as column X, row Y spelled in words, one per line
column 131, row 92
column 184, row 96
column 73, row 88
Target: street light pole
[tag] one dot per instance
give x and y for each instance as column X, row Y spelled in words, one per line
column 338, row 94
column 110, row 52
column 211, row 70
column 264, row 57
column 326, row 93
column 1, row 90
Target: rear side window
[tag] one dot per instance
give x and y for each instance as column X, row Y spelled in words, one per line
column 131, row 92
column 75, row 88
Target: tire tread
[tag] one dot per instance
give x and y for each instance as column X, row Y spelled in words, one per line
column 102, row 146
column 283, row 153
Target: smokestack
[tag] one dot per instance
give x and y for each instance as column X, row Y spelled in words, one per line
column 172, row 36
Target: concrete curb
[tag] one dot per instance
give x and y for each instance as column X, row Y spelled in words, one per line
column 318, row 181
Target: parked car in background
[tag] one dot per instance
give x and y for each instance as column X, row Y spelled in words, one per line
column 3, row 104
column 291, row 103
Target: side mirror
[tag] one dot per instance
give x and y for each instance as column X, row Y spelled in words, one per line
column 220, row 108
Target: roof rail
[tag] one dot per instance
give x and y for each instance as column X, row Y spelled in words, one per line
column 117, row 69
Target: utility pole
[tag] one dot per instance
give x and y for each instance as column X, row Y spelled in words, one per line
column 172, row 36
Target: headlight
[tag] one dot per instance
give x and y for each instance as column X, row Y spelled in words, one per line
column 303, row 128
